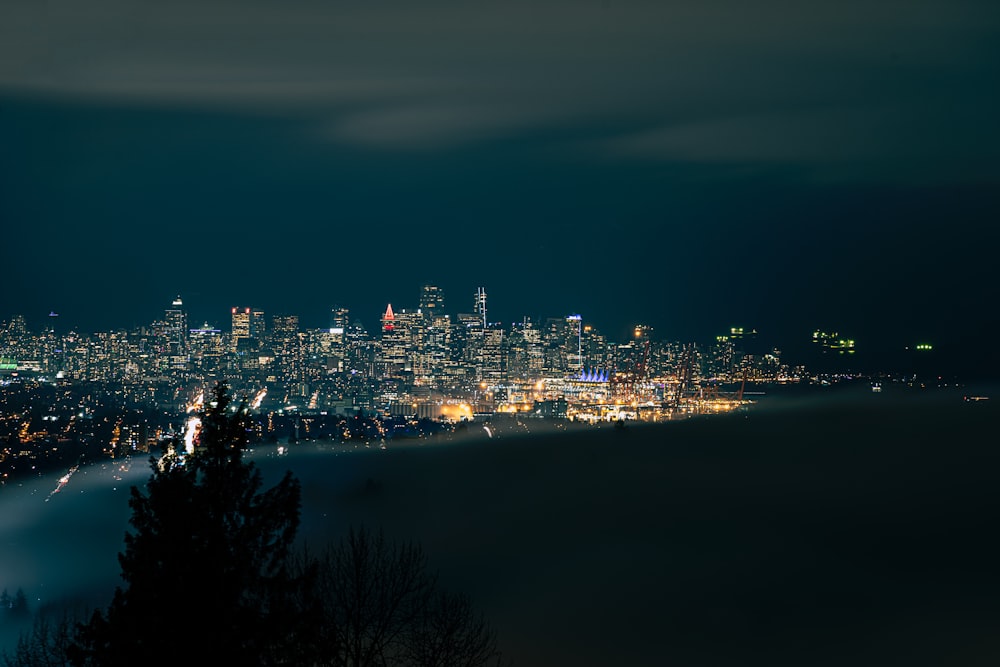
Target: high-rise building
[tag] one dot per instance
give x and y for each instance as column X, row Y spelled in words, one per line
column 431, row 302
column 176, row 333
column 359, row 350
column 480, row 305
column 491, row 363
column 596, row 351
column 287, row 347
column 388, row 319
column 339, row 323
column 176, row 319
column 401, row 343
column 556, row 337
column 240, row 339
column 573, row 343
column 339, row 319
column 436, row 351
column 206, row 347
column 467, row 343
column 17, row 328
column 258, row 329
column 241, row 323
column 525, row 353
column 284, row 327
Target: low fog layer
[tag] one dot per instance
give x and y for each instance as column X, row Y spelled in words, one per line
column 856, row 531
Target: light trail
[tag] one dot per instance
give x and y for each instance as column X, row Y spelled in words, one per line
column 197, row 403
column 63, row 481
column 190, row 431
column 258, row 399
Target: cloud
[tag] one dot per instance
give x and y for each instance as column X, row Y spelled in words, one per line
column 428, row 126
column 806, row 137
column 863, row 143
column 771, row 81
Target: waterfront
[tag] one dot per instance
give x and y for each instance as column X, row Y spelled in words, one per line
column 842, row 527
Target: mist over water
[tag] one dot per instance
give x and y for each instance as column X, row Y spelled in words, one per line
column 61, row 548
column 849, row 528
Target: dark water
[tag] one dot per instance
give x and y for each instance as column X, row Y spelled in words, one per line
column 825, row 529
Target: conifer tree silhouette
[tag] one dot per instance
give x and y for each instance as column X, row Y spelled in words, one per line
column 204, row 566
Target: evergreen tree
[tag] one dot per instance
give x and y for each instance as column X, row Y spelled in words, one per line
column 209, row 579
column 19, row 605
column 204, row 568
column 44, row 645
column 14, row 606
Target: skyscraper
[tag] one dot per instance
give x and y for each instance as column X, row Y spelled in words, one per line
column 431, row 301
column 241, row 327
column 400, row 345
column 573, row 343
column 480, row 305
column 176, row 332
column 176, row 328
column 287, row 345
column 339, row 319
column 388, row 319
column 258, row 328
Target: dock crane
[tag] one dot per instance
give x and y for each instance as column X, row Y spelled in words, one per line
column 624, row 384
column 684, row 373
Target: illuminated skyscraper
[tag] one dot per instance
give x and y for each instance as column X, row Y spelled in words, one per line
column 339, row 324
column 574, row 343
column 525, row 353
column 400, row 346
column 258, row 329
column 287, row 347
column 176, row 320
column 339, row 319
column 558, row 345
column 436, row 351
column 480, row 306
column 388, row 319
column 176, row 332
column 241, row 327
column 491, row 362
column 17, row 328
column 431, row 301
column 206, row 346
column 595, row 349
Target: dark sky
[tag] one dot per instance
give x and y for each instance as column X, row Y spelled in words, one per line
column 691, row 165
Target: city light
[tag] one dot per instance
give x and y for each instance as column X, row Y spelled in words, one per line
column 418, row 366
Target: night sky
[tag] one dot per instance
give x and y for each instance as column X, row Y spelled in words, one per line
column 689, row 165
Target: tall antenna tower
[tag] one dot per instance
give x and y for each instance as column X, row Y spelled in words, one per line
column 481, row 304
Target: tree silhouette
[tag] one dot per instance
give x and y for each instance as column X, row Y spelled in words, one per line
column 45, row 645
column 16, row 606
column 205, row 564
column 379, row 605
column 209, row 578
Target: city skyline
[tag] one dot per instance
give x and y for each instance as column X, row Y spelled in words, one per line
column 244, row 321
column 247, row 330
column 749, row 421
column 688, row 165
